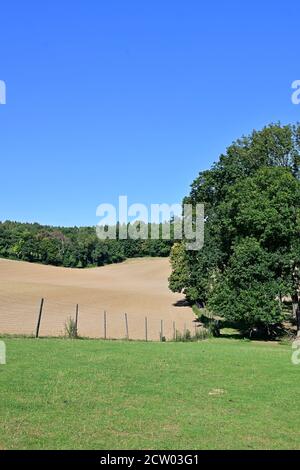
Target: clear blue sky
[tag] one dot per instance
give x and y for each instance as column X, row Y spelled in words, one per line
column 133, row 97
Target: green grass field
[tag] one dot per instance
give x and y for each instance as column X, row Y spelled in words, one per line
column 88, row 394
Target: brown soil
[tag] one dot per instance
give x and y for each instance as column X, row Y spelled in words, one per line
column 138, row 287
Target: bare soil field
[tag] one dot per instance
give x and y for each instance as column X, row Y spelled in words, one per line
column 138, row 287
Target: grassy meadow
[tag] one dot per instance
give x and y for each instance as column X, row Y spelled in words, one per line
column 90, row 394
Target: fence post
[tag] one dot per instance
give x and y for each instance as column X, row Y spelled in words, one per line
column 146, row 328
column 76, row 319
column 126, row 326
column 104, row 324
column 39, row 319
column 161, row 330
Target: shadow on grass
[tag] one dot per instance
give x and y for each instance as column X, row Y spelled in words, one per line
column 238, row 336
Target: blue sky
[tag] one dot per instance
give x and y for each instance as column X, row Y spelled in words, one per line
column 106, row 98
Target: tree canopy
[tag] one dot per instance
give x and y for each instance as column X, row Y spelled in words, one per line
column 251, row 254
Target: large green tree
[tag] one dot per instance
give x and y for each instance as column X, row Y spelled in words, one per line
column 247, row 292
column 251, row 198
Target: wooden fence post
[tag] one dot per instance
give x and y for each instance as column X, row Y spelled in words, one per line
column 126, row 326
column 146, row 328
column 39, row 319
column 161, row 330
column 76, row 319
column 104, row 324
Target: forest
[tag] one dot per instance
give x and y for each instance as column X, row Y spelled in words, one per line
column 74, row 247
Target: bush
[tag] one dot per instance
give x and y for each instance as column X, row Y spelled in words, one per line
column 213, row 328
column 246, row 293
column 71, row 328
column 200, row 334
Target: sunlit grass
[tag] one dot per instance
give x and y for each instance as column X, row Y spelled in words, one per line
column 89, row 394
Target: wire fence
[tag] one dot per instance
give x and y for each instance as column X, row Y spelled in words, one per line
column 27, row 315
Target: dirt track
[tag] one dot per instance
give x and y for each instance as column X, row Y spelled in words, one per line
column 138, row 287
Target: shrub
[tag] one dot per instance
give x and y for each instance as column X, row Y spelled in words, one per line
column 71, row 328
column 200, row 334
column 213, row 328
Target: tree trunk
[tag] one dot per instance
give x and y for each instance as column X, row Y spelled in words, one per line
column 298, row 321
column 296, row 311
column 295, row 302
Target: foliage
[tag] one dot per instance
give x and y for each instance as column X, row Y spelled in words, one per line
column 251, row 255
column 247, row 292
column 72, row 246
column 187, row 336
column 71, row 328
column 179, row 276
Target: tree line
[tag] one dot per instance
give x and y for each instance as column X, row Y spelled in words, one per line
column 74, row 247
column 248, row 271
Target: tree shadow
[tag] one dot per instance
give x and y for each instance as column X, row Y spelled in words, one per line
column 181, row 303
column 236, row 335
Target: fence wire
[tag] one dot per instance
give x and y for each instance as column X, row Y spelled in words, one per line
column 20, row 316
